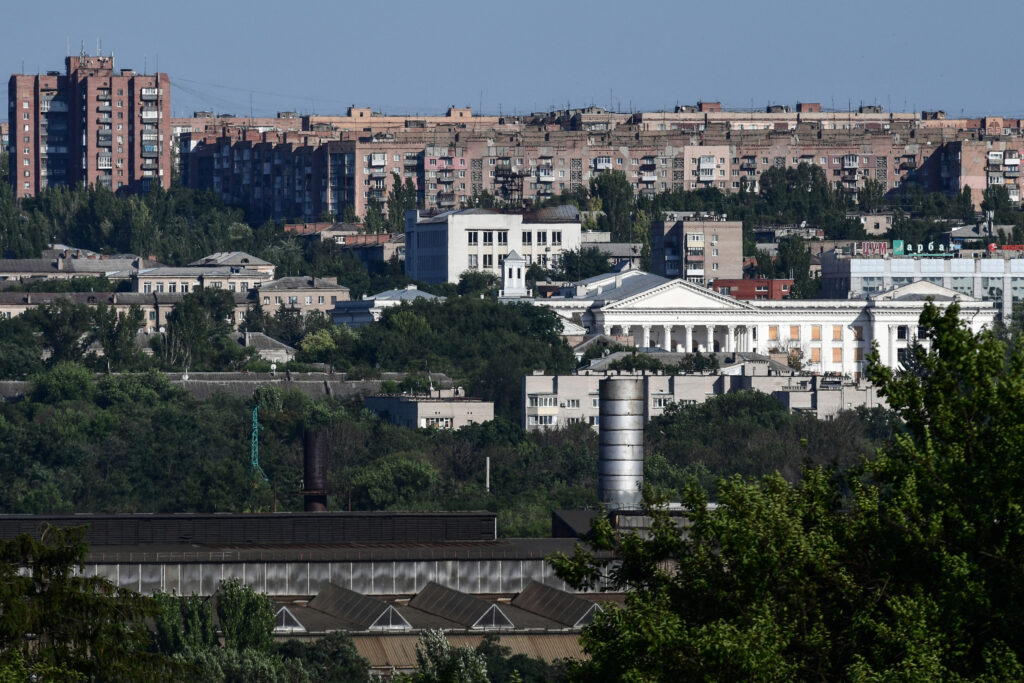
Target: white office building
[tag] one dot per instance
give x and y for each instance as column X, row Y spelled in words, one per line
column 439, row 248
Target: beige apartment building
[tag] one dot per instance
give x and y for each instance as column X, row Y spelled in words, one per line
column 307, row 294
column 699, row 248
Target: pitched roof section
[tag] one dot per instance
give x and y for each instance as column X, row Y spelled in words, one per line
column 230, row 258
column 919, row 291
column 556, row 605
column 301, row 282
column 678, row 294
column 463, row 609
column 358, row 612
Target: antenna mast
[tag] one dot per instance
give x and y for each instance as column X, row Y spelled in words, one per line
column 254, row 454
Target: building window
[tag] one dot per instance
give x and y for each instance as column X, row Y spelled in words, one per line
column 858, row 354
column 815, row 332
column 502, row 238
column 266, row 301
column 837, row 333
column 488, row 237
column 662, row 402
column 572, row 403
column 527, row 237
column 773, row 333
column 319, row 299
column 309, row 300
column 473, row 262
column 471, row 237
column 147, row 288
column 837, row 354
column 794, row 332
column 538, row 401
column 556, row 237
column 488, row 261
column 816, row 355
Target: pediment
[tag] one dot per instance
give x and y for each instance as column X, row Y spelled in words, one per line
column 921, row 289
column 678, row 294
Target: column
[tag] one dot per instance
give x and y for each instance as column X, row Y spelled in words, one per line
column 666, row 342
column 710, row 347
column 892, row 346
column 688, row 338
column 730, row 339
column 645, row 336
column 607, row 330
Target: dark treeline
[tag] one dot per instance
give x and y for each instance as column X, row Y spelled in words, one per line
column 132, row 442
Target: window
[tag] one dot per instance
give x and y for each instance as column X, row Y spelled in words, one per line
column 662, row 401
column 542, row 420
column 858, row 354
column 816, row 354
column 319, row 299
column 472, row 237
column 488, row 261
column 172, row 287
column 794, row 332
column 473, row 261
column 837, row 354
column 837, row 333
column 572, row 403
column 147, row 288
column 773, row 333
column 527, row 237
column 815, row 332
column 502, row 238
column 309, row 300
column 538, row 401
column 266, row 301
column 184, row 288
column 542, row 237
column 556, row 237
column 488, row 237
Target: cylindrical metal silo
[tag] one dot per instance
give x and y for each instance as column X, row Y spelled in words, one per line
column 621, row 429
column 314, row 479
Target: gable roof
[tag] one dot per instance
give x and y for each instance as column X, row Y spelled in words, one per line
column 358, row 611
column 557, row 605
column 919, row 291
column 463, row 609
column 230, row 258
column 678, row 294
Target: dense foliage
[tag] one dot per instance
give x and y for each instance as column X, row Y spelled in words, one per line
column 907, row 568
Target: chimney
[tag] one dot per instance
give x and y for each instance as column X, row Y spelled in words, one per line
column 621, row 439
column 314, row 477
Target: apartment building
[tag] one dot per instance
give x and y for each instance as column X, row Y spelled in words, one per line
column 440, row 247
column 981, row 164
column 552, row 401
column 699, row 248
column 754, row 288
column 307, row 294
column 442, row 409
column 90, row 124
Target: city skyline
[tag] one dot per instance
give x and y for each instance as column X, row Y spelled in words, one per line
column 420, row 59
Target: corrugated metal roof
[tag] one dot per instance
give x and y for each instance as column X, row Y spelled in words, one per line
column 359, row 611
column 557, row 605
column 463, row 609
column 399, row 651
column 567, row 213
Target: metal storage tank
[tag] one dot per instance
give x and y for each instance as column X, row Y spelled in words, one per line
column 621, row 430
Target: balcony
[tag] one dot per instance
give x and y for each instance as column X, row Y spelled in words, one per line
column 411, row 161
column 378, row 159
column 446, row 179
column 545, row 175
column 602, row 165
column 148, row 114
column 103, row 142
column 706, row 163
column 379, row 173
column 749, row 165
column 1012, row 172
column 104, row 108
column 850, row 162
column 150, row 165
column 649, row 178
column 906, row 165
column 994, row 168
column 104, row 162
column 103, row 119
column 150, row 154
column 150, row 94
column 694, row 272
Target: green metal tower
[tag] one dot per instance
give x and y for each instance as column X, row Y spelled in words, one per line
column 254, row 456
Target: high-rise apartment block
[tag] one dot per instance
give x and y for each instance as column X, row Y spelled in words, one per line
column 334, row 163
column 89, row 125
column 697, row 247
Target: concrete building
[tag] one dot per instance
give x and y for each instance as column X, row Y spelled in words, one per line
column 551, row 401
column 307, row 294
column 439, row 248
column 185, row 279
column 996, row 277
column 442, row 409
column 697, row 247
column 89, row 125
column 831, row 335
column 369, row 309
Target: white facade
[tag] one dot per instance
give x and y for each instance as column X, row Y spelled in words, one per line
column 996, row 279
column 831, row 335
column 440, row 248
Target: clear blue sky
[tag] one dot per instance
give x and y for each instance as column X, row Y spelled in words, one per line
column 521, row 56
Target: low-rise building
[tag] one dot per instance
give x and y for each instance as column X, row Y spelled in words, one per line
column 369, row 308
column 441, row 409
column 172, row 279
column 755, row 289
column 307, row 294
column 440, row 247
column 235, row 259
column 551, row 401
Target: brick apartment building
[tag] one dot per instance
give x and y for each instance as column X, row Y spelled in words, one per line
column 90, row 124
column 334, row 162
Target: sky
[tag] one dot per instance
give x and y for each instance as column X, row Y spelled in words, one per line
column 259, row 57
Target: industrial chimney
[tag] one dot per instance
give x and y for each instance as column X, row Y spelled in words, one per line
column 621, row 430
column 314, row 477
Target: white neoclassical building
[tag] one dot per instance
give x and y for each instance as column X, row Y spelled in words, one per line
column 832, row 335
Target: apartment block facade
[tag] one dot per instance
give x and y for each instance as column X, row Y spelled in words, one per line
column 699, row 248
column 339, row 162
column 90, row 124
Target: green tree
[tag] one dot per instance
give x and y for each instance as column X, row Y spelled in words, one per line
column 64, row 327
column 579, row 264
column 331, row 659
column 373, row 220
column 116, row 335
column 871, row 196
column 439, row 662
column 246, row 617
column 475, row 282
column 64, row 625
column 616, row 195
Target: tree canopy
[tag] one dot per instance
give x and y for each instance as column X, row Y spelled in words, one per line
column 906, row 567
